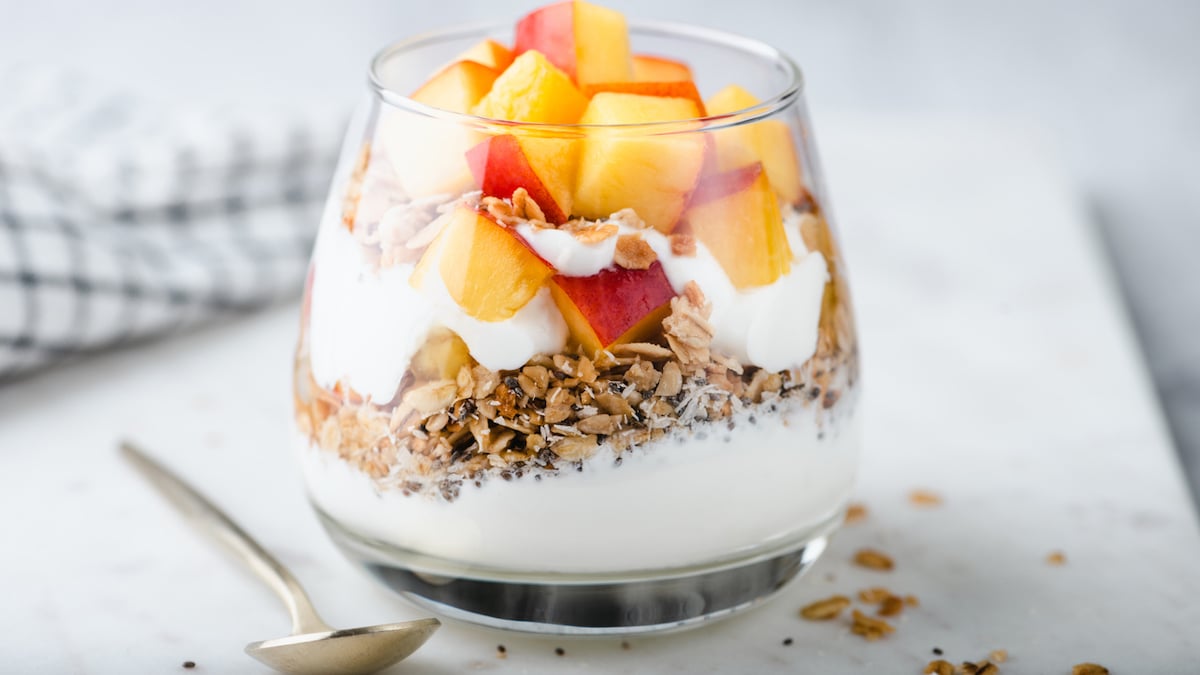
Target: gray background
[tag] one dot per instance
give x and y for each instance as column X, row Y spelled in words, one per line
column 1116, row 85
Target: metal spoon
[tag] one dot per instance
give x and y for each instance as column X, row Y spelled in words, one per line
column 313, row 647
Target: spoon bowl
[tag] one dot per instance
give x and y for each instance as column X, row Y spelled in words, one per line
column 353, row 651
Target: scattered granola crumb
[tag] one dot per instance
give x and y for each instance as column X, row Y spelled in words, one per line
column 825, row 610
column 856, row 512
column 1056, row 558
column 873, row 559
column 937, row 651
column 874, row 595
column 870, row 628
column 625, row 645
column 633, row 253
column 984, row 668
column 682, row 244
column 595, row 233
column 560, row 651
column 999, row 655
column 939, row 667
column 628, row 216
column 924, row 498
column 912, row 601
column 1088, row 669
column 525, row 207
column 891, row 606
column 787, row 642
column 189, row 664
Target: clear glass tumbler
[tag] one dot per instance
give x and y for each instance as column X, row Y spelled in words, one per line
column 619, row 399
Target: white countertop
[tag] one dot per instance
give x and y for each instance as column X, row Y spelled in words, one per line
column 999, row 372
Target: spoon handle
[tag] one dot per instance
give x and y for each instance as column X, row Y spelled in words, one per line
column 205, row 516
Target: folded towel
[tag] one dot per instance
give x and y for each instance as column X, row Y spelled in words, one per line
column 120, row 219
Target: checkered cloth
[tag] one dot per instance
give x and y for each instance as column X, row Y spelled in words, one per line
column 121, row 220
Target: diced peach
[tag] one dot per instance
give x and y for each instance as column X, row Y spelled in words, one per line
column 490, row 53
column 678, row 89
column 647, row 68
column 768, row 141
column 652, row 174
column 532, row 89
column 735, row 215
column 545, row 167
column 427, row 153
column 588, row 42
column 441, row 356
column 458, row 86
column 614, row 306
column 487, row 269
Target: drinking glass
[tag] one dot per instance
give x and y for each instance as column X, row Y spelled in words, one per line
column 635, row 421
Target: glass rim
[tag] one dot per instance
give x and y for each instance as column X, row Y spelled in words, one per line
column 767, row 107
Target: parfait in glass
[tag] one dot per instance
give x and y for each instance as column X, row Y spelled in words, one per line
column 577, row 353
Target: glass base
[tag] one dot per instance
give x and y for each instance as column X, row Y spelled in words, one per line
column 585, row 604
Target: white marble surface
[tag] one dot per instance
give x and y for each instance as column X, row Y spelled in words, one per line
column 1000, row 372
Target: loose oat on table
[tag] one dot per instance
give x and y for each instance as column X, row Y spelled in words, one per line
column 870, row 628
column 925, row 498
column 873, row 559
column 1056, row 558
column 825, row 610
column 1088, row 669
column 939, row 667
column 983, row 668
column 998, row 655
column 874, row 595
column 855, row 513
column 891, row 606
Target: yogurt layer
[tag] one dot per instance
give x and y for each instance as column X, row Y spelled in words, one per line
column 772, row 477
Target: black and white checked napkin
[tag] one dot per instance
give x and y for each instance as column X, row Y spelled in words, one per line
column 120, row 219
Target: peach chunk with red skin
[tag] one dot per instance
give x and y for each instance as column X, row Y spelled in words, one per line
column 487, row 268
column 768, row 141
column 545, row 167
column 736, row 216
column 651, row 171
column 588, row 42
column 614, row 306
column 649, row 68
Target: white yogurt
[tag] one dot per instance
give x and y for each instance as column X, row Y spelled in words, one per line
column 748, row 488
